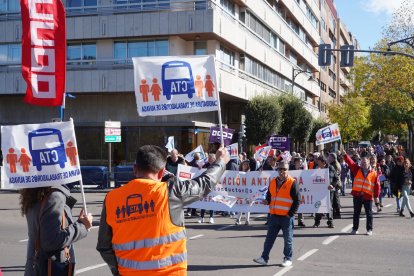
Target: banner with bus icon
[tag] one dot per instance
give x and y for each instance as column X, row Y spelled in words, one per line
column 328, row 134
column 39, row 155
column 175, row 85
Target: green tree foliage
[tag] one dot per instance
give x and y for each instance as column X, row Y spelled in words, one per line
column 316, row 125
column 263, row 117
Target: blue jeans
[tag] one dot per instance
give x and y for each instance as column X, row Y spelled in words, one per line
column 358, row 202
column 276, row 223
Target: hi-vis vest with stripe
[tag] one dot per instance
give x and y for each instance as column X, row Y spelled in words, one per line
column 281, row 200
column 365, row 185
column 144, row 239
column 311, row 165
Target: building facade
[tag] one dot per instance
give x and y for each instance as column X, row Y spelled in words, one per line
column 259, row 45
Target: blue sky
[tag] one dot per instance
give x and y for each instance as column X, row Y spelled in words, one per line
column 366, row 18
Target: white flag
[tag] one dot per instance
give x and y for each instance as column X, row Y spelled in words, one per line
column 170, row 144
column 190, row 156
column 262, row 153
column 233, row 150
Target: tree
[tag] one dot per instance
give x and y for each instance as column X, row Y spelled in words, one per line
column 317, row 124
column 263, row 117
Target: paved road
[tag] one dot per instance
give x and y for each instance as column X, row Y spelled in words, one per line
column 226, row 249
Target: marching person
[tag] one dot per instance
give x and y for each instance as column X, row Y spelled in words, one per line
column 297, row 165
column 408, row 176
column 173, row 160
column 365, row 187
column 283, row 198
column 244, row 167
column 152, row 240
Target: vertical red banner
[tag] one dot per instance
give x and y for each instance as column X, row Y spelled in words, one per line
column 44, row 51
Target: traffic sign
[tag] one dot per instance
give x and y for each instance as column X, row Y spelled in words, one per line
column 113, row 124
column 112, row 139
column 112, row 131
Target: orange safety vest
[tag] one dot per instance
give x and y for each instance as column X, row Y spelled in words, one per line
column 281, row 201
column 311, row 165
column 144, row 239
column 364, row 185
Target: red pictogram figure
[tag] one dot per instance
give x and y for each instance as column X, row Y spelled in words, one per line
column 144, row 89
column 24, row 160
column 209, row 86
column 199, row 85
column 11, row 159
column 156, row 89
column 71, row 152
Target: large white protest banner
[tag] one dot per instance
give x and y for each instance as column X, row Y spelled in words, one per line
column 328, row 134
column 39, row 155
column 190, row 156
column 175, row 84
column 250, row 189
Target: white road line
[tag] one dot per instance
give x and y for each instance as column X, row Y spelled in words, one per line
column 94, row 227
column 346, row 228
column 195, row 237
column 283, row 271
column 224, row 227
column 79, row 271
column 388, row 205
column 330, row 239
column 363, row 219
column 261, row 216
column 24, row 240
column 307, row 254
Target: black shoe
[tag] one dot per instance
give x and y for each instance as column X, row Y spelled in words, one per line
column 330, row 224
column 411, row 214
column 401, row 213
column 316, row 225
column 301, row 224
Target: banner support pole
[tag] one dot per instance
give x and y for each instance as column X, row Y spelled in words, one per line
column 220, row 120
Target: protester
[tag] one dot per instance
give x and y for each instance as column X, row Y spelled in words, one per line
column 365, row 187
column 397, row 180
column 151, row 239
column 333, row 180
column 173, row 161
column 406, row 187
column 270, row 164
column 336, row 183
column 244, row 167
column 297, row 165
column 345, row 174
column 385, row 186
column 52, row 230
column 211, row 159
column 283, row 198
column 390, row 164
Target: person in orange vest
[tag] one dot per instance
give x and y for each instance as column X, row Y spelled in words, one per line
column 283, row 198
column 365, row 187
column 149, row 237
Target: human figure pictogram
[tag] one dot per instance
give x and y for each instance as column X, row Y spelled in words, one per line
column 123, row 211
column 11, row 159
column 146, row 206
column 144, row 90
column 71, row 152
column 24, row 160
column 199, row 85
column 118, row 212
column 209, row 86
column 152, row 204
column 155, row 89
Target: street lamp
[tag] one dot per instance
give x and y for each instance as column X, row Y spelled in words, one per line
column 297, row 72
column 408, row 40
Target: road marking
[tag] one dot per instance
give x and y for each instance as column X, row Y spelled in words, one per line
column 24, row 240
column 283, row 271
column 307, row 254
column 346, row 228
column 330, row 239
column 261, row 216
column 224, row 227
column 94, row 227
column 79, row 271
column 195, row 237
column 388, row 205
column 364, row 219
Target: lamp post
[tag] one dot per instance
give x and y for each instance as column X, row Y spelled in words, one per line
column 408, row 40
column 297, row 72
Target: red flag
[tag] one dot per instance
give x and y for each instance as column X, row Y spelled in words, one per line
column 43, row 51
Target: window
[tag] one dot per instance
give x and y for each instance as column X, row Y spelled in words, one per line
column 80, row 3
column 227, row 56
column 200, row 48
column 228, row 6
column 9, row 5
column 81, row 52
column 125, row 50
column 10, row 53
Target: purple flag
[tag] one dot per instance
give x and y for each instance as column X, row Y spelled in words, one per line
column 215, row 135
column 279, row 142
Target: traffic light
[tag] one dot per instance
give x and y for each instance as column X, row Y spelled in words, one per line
column 347, row 55
column 324, row 55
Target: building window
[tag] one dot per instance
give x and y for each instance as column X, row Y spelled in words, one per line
column 227, row 55
column 332, row 93
column 80, row 3
column 200, row 48
column 125, row 50
column 10, row 53
column 9, row 5
column 81, row 52
column 228, row 6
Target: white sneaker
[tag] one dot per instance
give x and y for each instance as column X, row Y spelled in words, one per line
column 369, row 233
column 286, row 263
column 201, row 220
column 354, row 232
column 237, row 222
column 260, row 261
column 211, row 221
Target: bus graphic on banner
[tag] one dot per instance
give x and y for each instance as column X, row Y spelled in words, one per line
column 177, row 78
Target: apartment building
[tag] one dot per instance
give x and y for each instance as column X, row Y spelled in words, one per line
column 259, row 45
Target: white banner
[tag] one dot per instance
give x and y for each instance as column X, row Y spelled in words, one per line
column 250, row 189
column 39, row 155
column 190, row 156
column 262, row 153
column 233, row 151
column 328, row 134
column 175, row 84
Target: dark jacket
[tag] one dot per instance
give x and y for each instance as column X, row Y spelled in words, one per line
column 294, row 193
column 52, row 237
column 180, row 194
column 396, row 179
column 172, row 166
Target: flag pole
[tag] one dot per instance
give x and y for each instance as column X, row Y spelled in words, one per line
column 219, row 107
